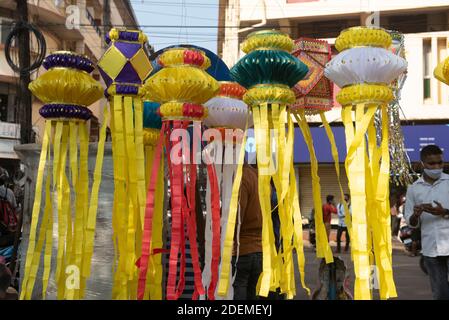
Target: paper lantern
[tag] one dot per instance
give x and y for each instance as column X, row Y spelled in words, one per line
column 268, row 71
column 66, row 90
column 181, row 87
column 364, row 70
column 315, row 92
column 124, row 66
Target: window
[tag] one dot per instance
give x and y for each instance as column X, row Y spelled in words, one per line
column 427, row 72
column 5, row 29
column 3, row 107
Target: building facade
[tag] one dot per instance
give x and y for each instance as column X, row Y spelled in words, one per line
column 75, row 25
column 425, row 24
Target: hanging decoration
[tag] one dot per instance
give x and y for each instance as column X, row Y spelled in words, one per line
column 124, row 66
column 268, row 71
column 314, row 95
column 315, row 92
column 152, row 124
column 66, row 90
column 181, row 87
column 441, row 71
column 229, row 116
column 400, row 167
column 364, row 69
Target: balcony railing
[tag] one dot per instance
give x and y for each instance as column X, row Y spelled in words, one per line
column 93, row 23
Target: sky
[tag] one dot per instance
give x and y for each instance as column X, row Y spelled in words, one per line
column 155, row 17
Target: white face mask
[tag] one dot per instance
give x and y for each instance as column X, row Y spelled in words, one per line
column 433, row 173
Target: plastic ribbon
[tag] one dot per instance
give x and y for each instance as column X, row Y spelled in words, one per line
column 225, row 270
column 355, row 167
column 334, row 152
column 206, row 275
column 120, row 288
column 31, row 251
column 148, row 223
column 265, row 166
column 90, row 220
column 323, row 247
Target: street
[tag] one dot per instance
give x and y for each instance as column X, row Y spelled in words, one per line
column 411, row 282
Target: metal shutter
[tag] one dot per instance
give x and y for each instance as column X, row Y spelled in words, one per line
column 328, row 182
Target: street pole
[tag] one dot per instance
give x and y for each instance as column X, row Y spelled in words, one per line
column 24, row 107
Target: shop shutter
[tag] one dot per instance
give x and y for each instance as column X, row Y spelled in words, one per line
column 328, row 182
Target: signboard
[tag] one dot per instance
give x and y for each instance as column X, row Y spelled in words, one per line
column 9, row 130
column 7, row 148
column 416, row 137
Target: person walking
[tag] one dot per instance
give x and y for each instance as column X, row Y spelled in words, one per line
column 342, row 228
column 329, row 209
column 249, row 261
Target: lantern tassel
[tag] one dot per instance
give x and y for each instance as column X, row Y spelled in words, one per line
column 225, row 269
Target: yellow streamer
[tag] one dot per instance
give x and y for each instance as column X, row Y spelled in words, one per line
column 323, row 247
column 48, row 234
column 63, row 215
column 120, row 289
column 131, row 193
column 298, row 239
column 334, row 152
column 26, row 293
column 90, row 224
column 223, row 283
column 265, row 169
column 355, row 167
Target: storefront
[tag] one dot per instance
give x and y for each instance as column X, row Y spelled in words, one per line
column 416, row 137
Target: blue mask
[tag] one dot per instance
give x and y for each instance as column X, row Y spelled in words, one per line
column 433, row 173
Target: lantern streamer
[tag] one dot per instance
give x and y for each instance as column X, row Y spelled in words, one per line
column 365, row 88
column 268, row 71
column 181, row 79
column 66, row 89
column 124, row 66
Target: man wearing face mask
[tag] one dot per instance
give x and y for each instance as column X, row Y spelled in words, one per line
column 426, row 206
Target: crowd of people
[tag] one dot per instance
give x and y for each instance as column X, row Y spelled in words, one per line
column 10, row 229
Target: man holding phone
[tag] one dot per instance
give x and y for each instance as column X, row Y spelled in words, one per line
column 427, row 207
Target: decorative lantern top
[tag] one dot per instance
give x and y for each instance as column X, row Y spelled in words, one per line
column 227, row 110
column 66, row 88
column 366, row 63
column 363, row 37
column 267, row 40
column 268, row 71
column 182, row 85
column 125, row 64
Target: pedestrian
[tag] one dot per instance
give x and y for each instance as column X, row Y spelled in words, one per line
column 328, row 209
column 312, row 231
column 426, row 206
column 249, row 260
column 8, row 213
column 397, row 213
column 342, row 228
